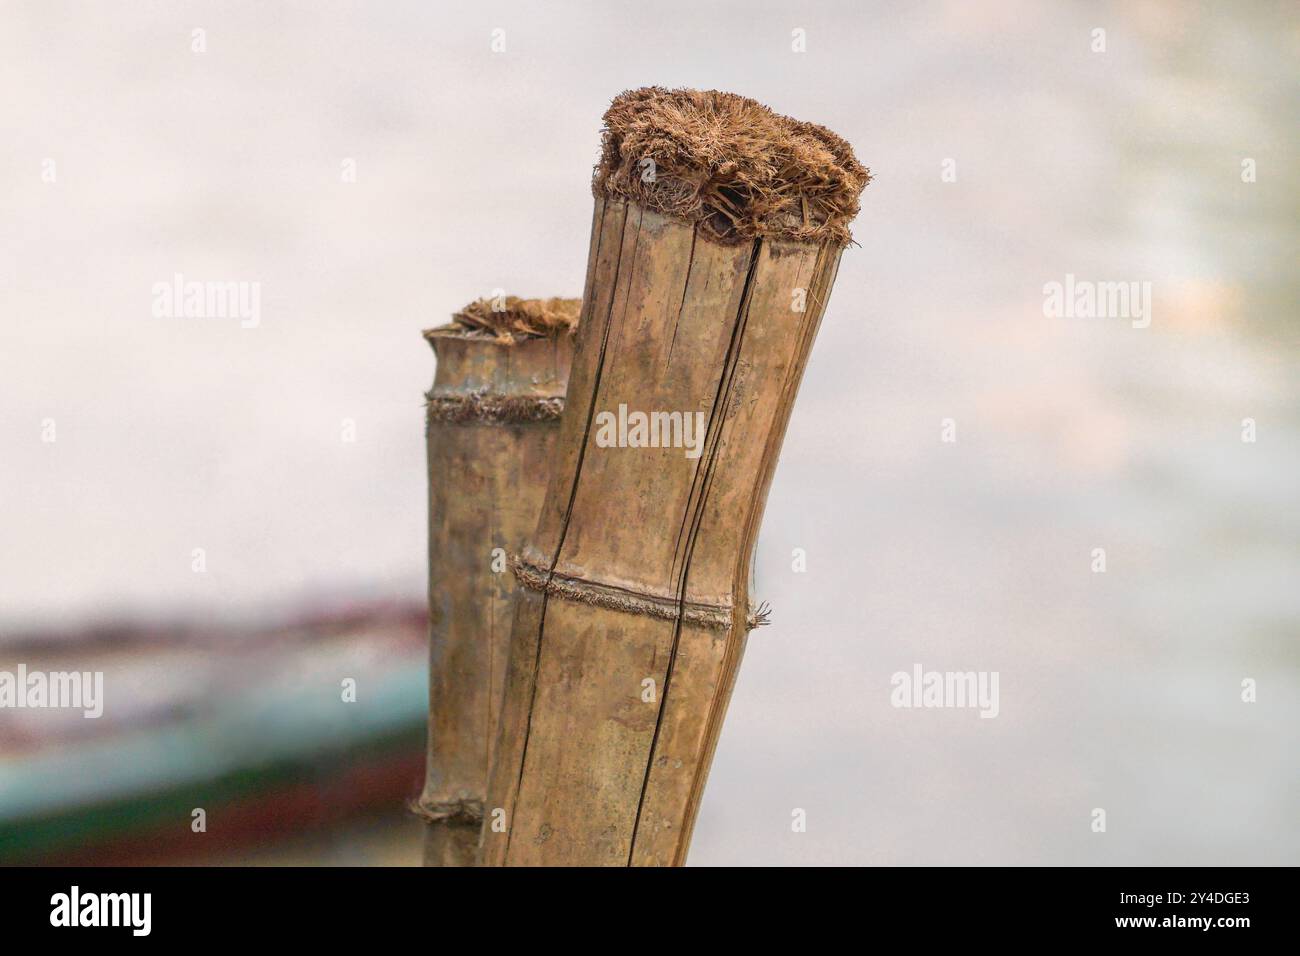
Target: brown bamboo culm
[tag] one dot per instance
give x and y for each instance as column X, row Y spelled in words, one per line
column 491, row 425
column 717, row 233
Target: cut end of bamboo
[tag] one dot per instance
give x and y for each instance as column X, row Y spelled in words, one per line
column 729, row 164
column 513, row 319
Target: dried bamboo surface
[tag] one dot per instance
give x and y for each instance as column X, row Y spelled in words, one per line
column 630, row 627
column 492, row 423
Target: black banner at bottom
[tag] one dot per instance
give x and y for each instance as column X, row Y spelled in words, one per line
column 338, row 906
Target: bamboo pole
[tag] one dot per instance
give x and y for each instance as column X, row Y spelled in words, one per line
column 706, row 283
column 492, row 421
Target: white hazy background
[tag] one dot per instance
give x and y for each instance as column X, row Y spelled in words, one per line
column 1118, row 690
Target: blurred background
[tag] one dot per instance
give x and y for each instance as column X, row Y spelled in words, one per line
column 375, row 166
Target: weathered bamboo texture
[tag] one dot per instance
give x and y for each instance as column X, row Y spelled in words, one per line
column 492, row 422
column 635, row 608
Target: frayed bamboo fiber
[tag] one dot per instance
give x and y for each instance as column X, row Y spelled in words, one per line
column 635, row 603
column 491, row 425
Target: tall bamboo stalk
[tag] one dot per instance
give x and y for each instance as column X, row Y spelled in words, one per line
column 492, row 421
column 706, row 283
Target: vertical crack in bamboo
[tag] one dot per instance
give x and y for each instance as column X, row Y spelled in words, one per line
column 696, row 512
column 569, row 509
column 735, row 649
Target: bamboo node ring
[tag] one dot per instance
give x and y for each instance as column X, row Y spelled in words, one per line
column 616, row 598
column 483, row 407
column 466, row 811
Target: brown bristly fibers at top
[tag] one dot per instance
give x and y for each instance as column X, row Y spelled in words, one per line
column 730, row 164
column 520, row 319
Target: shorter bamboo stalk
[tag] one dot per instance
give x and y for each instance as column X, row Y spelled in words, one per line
column 492, row 419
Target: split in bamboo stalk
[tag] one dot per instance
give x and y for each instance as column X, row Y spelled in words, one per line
column 716, row 237
column 492, row 421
